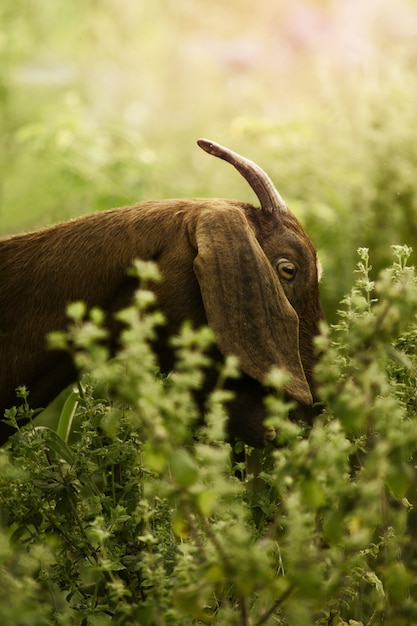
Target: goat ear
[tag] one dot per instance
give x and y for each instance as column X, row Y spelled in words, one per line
column 244, row 300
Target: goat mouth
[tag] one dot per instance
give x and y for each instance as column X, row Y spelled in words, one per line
column 304, row 413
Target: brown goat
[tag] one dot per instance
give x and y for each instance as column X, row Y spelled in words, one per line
column 251, row 274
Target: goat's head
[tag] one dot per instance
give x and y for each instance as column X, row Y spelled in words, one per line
column 264, row 303
column 251, row 274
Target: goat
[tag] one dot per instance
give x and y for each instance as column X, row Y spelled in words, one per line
column 250, row 273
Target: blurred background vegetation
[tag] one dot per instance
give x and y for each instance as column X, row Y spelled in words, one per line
column 101, row 102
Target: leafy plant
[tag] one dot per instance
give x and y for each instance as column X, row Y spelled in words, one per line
column 130, row 513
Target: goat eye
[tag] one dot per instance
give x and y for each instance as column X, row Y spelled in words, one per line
column 286, row 269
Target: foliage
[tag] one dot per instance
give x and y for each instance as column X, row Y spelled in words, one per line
column 131, row 514
column 127, row 510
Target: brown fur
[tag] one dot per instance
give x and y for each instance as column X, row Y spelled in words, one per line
column 217, row 258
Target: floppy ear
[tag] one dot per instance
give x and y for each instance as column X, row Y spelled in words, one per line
column 244, row 300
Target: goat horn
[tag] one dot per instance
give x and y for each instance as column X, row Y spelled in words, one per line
column 259, row 180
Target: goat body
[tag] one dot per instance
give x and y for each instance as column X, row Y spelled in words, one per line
column 220, row 263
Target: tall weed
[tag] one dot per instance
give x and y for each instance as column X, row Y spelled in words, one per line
column 131, row 513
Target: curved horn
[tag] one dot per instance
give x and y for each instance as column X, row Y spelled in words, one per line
column 260, row 182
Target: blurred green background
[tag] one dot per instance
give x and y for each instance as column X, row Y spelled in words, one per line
column 101, row 102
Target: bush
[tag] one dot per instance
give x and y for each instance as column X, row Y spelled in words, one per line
column 130, row 513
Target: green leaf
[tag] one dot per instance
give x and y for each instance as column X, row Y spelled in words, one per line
column 183, row 469
column 155, row 459
column 57, row 444
column 67, row 416
column 206, row 502
column 179, row 524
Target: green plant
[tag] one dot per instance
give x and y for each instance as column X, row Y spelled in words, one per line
column 131, row 514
